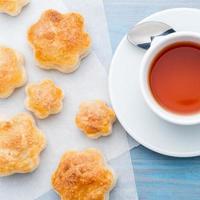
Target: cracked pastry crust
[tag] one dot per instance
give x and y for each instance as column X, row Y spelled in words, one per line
column 20, row 145
column 12, row 72
column 12, row 7
column 44, row 98
column 95, row 118
column 83, row 176
column 59, row 41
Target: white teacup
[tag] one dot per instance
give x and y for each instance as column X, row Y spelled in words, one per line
column 159, row 43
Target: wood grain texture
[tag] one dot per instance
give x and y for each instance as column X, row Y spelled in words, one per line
column 158, row 177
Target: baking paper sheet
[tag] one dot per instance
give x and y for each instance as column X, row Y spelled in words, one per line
column 60, row 129
column 94, row 13
column 88, row 82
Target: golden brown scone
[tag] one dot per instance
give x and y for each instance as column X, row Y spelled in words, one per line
column 95, row 118
column 12, row 72
column 12, row 7
column 83, row 176
column 20, row 145
column 59, row 41
column 44, row 98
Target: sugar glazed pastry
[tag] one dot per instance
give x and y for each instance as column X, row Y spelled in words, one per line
column 44, row 98
column 12, row 72
column 59, row 41
column 83, row 176
column 20, row 145
column 12, row 7
column 95, row 118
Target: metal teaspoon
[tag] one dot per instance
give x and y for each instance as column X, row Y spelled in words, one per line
column 143, row 34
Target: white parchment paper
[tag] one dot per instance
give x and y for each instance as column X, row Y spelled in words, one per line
column 88, row 82
column 94, row 13
column 60, row 129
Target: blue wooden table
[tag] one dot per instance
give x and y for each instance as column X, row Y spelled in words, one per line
column 157, row 177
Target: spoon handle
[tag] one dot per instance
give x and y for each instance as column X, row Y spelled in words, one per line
column 147, row 45
column 144, row 33
column 171, row 30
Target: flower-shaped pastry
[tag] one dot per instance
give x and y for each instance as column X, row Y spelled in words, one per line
column 83, row 176
column 12, row 7
column 20, row 145
column 12, row 72
column 95, row 118
column 44, row 98
column 59, row 41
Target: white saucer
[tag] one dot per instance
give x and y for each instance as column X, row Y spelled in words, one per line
column 132, row 111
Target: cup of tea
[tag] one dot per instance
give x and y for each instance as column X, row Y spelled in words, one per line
column 170, row 77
